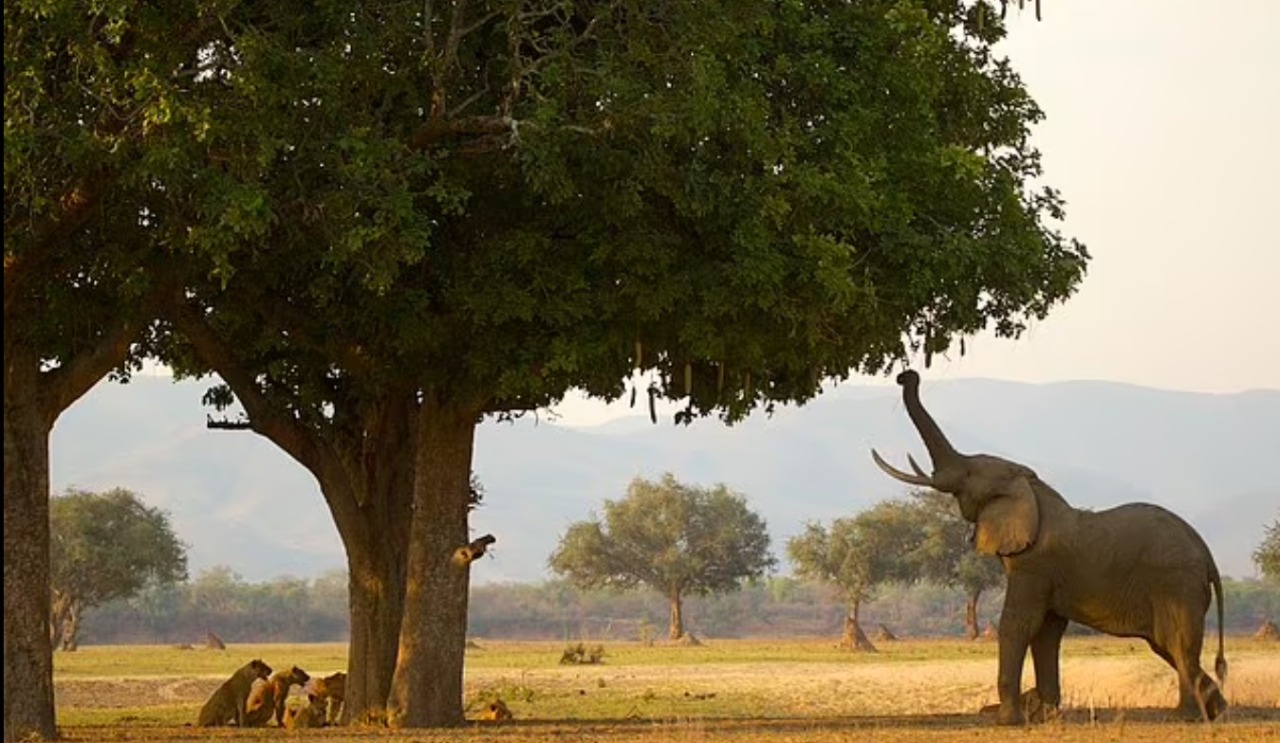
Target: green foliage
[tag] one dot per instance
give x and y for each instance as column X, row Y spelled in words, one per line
column 110, row 545
column 1267, row 555
column 101, row 118
column 107, row 546
column 858, row 554
column 944, row 553
column 741, row 199
column 673, row 538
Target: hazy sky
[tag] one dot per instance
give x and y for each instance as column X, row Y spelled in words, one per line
column 1161, row 134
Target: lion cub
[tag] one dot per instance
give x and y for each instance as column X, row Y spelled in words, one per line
column 310, row 715
column 228, row 701
column 331, row 690
column 496, row 711
column 266, row 700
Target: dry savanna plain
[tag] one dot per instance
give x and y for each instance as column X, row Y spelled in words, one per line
column 741, row 691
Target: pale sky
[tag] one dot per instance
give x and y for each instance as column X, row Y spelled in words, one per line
column 1161, row 134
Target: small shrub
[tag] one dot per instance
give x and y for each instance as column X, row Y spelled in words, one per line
column 581, row 655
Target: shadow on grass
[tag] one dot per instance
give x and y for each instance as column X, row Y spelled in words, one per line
column 651, row 728
column 1072, row 717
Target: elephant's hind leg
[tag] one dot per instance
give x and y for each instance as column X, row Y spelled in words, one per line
column 1199, row 698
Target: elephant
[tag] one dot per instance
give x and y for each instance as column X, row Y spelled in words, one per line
column 1136, row 570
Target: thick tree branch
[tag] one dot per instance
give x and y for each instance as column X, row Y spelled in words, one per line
column 471, row 127
column 68, row 382
column 266, row 417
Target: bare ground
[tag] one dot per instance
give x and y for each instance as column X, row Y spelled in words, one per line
column 1107, row 698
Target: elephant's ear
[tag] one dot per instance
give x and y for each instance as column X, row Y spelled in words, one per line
column 1009, row 522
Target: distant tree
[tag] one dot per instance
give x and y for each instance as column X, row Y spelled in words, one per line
column 858, row 554
column 676, row 539
column 106, row 546
column 946, row 556
column 1267, row 556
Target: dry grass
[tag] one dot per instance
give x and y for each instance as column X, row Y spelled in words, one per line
column 724, row 690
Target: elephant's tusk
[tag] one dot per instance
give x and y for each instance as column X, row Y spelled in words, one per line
column 915, row 466
column 898, row 474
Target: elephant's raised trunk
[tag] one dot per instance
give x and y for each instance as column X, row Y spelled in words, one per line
column 940, row 450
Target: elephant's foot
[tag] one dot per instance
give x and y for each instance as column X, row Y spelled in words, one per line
column 1214, row 703
column 1191, row 710
column 1037, row 709
column 1011, row 718
column 1010, row 714
column 1029, row 708
column 998, row 711
column 1033, row 709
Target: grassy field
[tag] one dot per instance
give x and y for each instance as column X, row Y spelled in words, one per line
column 730, row 690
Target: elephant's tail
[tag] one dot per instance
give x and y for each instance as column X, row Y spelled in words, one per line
column 1219, row 663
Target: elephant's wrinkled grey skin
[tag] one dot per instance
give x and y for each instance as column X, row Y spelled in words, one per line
column 1133, row 571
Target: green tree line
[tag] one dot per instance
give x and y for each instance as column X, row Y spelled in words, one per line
column 315, row 610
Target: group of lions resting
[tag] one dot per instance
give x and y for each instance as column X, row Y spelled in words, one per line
column 254, row 695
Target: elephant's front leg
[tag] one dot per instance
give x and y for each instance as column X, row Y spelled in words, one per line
column 1019, row 622
column 1045, row 654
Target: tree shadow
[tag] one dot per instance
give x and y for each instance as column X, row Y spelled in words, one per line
column 1072, row 717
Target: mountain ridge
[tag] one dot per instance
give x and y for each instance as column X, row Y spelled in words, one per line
column 239, row 501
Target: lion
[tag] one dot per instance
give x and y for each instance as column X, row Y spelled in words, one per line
column 228, row 701
column 496, row 711
column 267, row 700
column 332, row 691
column 309, row 715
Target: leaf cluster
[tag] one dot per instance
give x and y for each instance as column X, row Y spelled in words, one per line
column 673, row 538
column 110, row 545
column 895, row 541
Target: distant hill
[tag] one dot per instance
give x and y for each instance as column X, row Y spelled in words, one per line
column 239, row 501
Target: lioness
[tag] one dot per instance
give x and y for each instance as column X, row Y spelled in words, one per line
column 269, row 698
column 310, row 715
column 228, row 701
column 331, row 690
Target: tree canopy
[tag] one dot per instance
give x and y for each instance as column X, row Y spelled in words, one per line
column 673, row 538
column 106, row 546
column 857, row 554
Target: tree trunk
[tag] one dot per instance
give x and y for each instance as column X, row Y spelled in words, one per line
column 426, row 690
column 28, row 650
column 676, row 629
column 58, row 616
column 853, row 637
column 71, row 628
column 376, row 602
column 364, row 465
column 971, row 615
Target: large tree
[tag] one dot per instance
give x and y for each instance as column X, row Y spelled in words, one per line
column 945, row 554
column 106, row 546
column 1267, row 555
column 91, row 106
column 483, row 205
column 676, row 539
column 578, row 191
column 858, row 554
